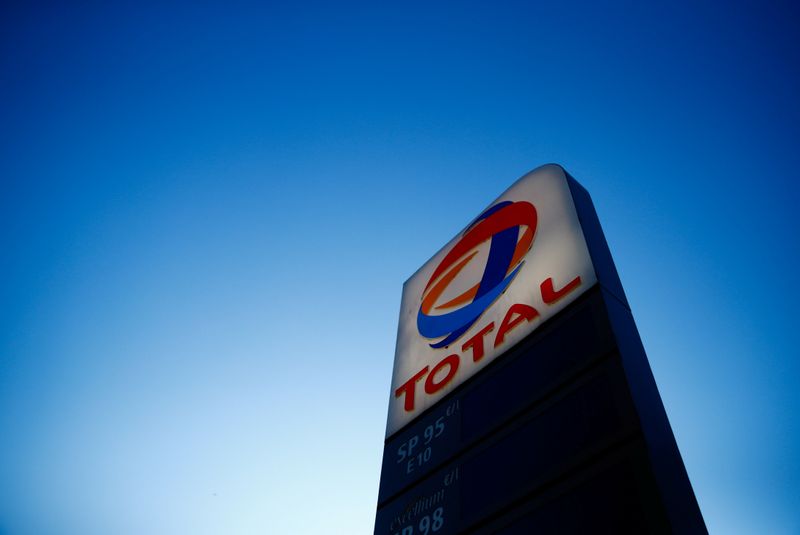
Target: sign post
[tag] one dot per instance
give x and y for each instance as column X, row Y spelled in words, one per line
column 522, row 400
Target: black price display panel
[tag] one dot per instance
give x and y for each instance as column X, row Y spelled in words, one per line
column 521, row 459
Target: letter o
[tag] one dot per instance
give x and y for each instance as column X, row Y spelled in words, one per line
column 452, row 362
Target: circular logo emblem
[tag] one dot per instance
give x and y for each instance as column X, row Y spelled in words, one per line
column 501, row 224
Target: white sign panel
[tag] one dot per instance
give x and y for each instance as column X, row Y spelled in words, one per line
column 520, row 262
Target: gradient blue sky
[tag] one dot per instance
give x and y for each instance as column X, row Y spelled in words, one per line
column 207, row 213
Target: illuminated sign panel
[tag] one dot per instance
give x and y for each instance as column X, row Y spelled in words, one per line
column 520, row 262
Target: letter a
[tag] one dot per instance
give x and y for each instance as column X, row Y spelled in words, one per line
column 522, row 312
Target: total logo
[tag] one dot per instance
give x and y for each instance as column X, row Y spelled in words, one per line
column 510, row 228
column 501, row 224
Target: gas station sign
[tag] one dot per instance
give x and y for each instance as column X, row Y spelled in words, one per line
column 521, row 397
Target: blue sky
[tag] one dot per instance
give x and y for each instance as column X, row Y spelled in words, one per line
column 207, row 214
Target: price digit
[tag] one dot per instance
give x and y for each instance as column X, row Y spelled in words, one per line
column 438, row 519
column 428, row 434
column 425, row 525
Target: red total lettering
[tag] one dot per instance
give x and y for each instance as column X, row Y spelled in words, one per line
column 515, row 315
